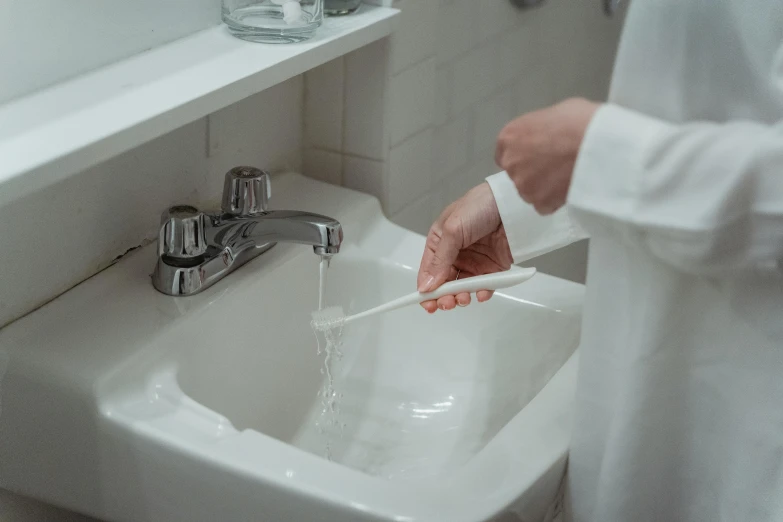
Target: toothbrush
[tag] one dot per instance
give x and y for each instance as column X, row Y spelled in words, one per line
column 292, row 10
column 334, row 316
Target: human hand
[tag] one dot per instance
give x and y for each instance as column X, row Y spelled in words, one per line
column 468, row 239
column 538, row 150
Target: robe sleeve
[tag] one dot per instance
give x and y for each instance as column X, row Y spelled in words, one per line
column 704, row 197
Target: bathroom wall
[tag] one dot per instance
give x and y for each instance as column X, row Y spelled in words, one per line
column 411, row 119
column 414, row 120
column 61, row 235
column 32, row 54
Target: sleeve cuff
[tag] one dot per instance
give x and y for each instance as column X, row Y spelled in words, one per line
column 530, row 234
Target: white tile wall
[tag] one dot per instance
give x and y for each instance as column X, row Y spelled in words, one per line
column 456, row 28
column 491, row 115
column 365, row 175
column 444, row 83
column 412, row 98
column 323, row 165
column 452, row 146
column 493, row 18
column 324, row 98
column 418, row 215
column 475, row 77
column 410, row 171
column 520, row 51
column 456, row 72
column 365, row 130
column 415, row 37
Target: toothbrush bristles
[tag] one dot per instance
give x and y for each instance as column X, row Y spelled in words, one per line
column 328, row 318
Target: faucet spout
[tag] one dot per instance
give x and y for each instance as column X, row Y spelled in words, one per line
column 323, row 233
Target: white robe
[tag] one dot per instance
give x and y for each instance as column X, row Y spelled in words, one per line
column 679, row 182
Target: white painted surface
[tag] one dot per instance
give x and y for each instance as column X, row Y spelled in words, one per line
column 44, row 42
column 456, row 412
column 72, row 126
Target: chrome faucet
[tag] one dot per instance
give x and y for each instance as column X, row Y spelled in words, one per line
column 197, row 249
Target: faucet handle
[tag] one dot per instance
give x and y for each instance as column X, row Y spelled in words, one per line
column 182, row 233
column 246, row 191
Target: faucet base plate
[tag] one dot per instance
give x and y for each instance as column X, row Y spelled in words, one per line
column 180, row 281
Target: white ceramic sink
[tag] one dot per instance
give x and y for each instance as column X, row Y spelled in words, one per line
column 130, row 405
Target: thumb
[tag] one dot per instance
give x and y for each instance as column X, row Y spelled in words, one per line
column 438, row 260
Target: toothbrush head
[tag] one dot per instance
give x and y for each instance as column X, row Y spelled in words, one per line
column 328, row 319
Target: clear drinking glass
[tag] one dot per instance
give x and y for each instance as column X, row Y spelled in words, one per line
column 341, row 7
column 273, row 21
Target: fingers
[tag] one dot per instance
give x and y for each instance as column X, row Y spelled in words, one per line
column 438, row 260
column 426, row 277
column 463, row 299
column 450, row 302
column 484, row 295
column 469, row 219
column 447, row 302
column 433, row 305
column 430, row 306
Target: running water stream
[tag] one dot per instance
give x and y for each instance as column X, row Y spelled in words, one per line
column 328, row 421
column 324, row 266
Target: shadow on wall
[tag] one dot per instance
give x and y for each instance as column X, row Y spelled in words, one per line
column 22, row 509
column 568, row 263
column 31, row 458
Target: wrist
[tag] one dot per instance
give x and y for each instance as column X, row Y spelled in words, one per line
column 580, row 113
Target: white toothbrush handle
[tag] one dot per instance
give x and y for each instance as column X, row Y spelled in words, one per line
column 494, row 281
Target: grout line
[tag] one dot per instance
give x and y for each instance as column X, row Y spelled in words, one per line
column 359, row 156
column 325, row 149
column 484, row 43
column 419, row 199
column 414, row 64
column 305, row 133
column 343, row 118
column 429, row 127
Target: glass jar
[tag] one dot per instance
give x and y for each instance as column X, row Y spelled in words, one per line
column 273, row 21
column 341, row 7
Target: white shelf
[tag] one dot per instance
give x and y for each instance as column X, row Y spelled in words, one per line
column 55, row 133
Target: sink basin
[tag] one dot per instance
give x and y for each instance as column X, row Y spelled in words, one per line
column 126, row 404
